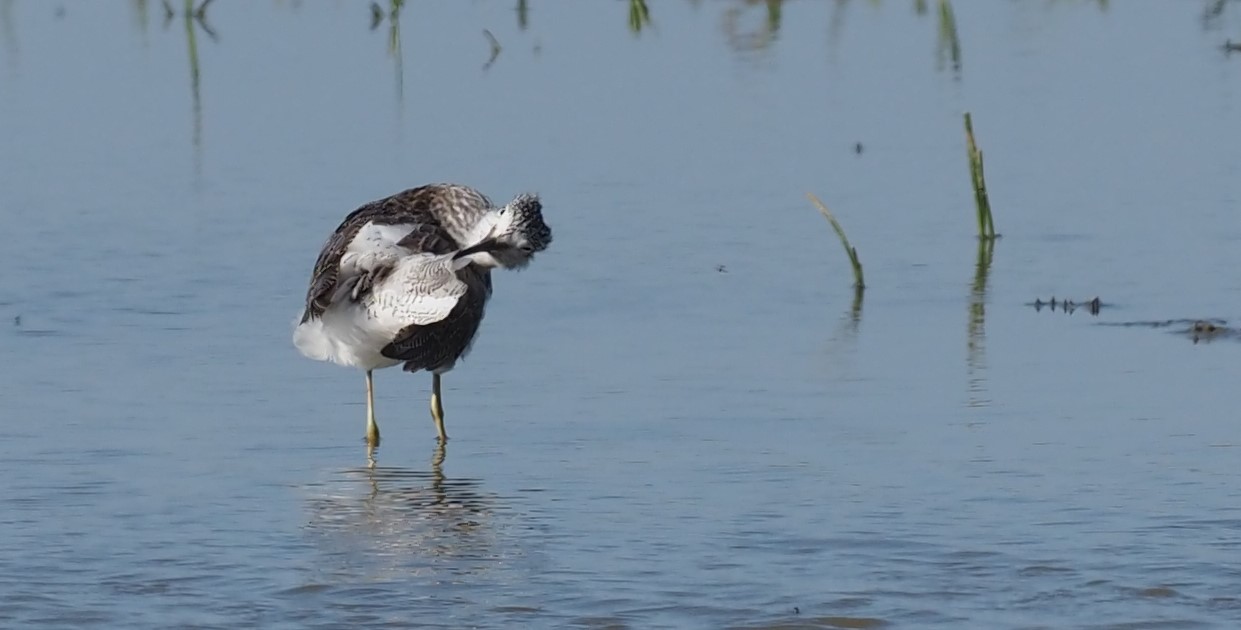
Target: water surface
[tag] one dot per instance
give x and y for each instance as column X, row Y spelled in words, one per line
column 679, row 416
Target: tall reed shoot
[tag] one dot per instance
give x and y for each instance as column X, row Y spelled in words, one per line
column 851, row 251
column 986, row 225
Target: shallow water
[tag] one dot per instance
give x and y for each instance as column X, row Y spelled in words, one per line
column 678, row 416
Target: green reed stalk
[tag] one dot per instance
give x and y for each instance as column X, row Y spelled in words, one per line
column 844, row 240
column 986, row 224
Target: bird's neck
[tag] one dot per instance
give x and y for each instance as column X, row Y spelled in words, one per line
column 479, row 254
column 481, row 259
column 481, row 230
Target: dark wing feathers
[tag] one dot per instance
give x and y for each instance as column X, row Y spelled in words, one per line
column 436, row 345
column 429, row 238
column 323, row 279
column 426, row 209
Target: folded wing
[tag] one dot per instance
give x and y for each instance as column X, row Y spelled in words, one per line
column 445, row 324
column 371, row 239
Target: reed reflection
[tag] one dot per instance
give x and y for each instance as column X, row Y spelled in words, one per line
column 639, row 16
column 141, row 15
column 976, row 336
column 948, row 44
column 394, row 41
column 8, row 34
column 1213, row 13
column 759, row 37
column 523, row 14
column 842, row 345
column 194, row 19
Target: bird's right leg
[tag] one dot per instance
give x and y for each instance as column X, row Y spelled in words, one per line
column 437, row 407
column 372, row 429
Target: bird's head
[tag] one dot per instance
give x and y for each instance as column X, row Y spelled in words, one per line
column 517, row 233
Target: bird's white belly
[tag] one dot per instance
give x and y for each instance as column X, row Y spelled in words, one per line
column 346, row 334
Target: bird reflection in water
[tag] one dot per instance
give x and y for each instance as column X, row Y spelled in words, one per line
column 388, row 522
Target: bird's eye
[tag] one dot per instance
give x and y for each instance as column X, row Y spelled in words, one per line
column 527, row 249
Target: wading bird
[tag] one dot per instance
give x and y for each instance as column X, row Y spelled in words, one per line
column 405, row 279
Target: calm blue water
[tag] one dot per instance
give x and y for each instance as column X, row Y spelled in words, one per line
column 677, row 417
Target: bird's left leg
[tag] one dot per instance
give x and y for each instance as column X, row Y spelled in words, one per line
column 372, row 428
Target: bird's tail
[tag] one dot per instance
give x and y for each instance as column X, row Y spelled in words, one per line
column 312, row 339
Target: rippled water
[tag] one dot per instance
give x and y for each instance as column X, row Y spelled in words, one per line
column 679, row 416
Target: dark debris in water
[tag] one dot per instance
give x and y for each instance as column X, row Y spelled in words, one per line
column 1092, row 306
column 1205, row 330
column 1157, row 592
column 823, row 623
column 377, row 15
column 1208, row 331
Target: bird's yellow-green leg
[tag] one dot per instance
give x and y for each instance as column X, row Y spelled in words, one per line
column 437, row 407
column 372, row 429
